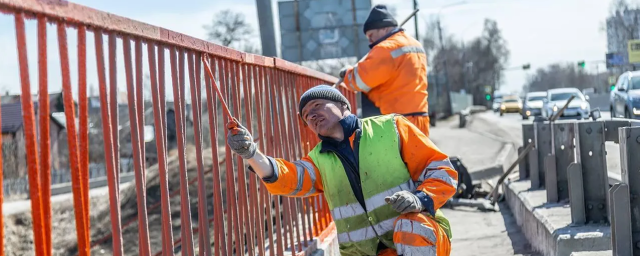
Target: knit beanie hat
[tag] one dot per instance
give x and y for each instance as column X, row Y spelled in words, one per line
column 322, row 92
column 379, row 17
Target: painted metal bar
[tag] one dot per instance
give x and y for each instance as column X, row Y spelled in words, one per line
column 204, row 240
column 252, row 203
column 110, row 161
column 143, row 230
column 83, row 153
column 140, row 106
column 80, row 209
column 268, row 149
column 158, row 115
column 229, row 165
column 45, row 140
column 218, row 230
column 113, row 95
column 186, row 233
column 262, row 199
column 243, row 215
column 592, row 157
column 576, row 194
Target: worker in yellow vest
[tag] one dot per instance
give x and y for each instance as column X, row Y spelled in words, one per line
column 383, row 179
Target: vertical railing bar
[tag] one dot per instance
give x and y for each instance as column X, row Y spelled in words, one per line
column 45, row 140
column 204, row 240
column 114, row 202
column 286, row 110
column 140, row 105
column 229, row 164
column 113, row 95
column 219, row 240
column 231, row 177
column 247, row 79
column 83, row 153
column 243, row 214
column 301, row 152
column 78, row 194
column 257, row 96
column 298, row 219
column 266, row 142
column 167, row 232
column 186, row 232
column 275, row 151
column 30, row 138
column 143, row 230
column 285, row 133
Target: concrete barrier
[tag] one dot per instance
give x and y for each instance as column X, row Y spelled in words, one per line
column 548, row 226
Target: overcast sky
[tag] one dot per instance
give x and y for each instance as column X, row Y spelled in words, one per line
column 539, row 32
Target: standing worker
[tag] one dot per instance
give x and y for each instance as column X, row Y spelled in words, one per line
column 383, row 201
column 394, row 72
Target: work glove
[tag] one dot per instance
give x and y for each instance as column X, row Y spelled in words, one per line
column 407, row 202
column 240, row 140
column 343, row 71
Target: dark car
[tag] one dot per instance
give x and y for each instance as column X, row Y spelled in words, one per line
column 625, row 99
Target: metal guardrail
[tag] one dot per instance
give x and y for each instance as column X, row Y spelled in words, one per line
column 570, row 157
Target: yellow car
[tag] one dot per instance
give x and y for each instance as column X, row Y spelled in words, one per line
column 511, row 105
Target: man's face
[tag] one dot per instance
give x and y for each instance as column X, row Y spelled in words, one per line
column 322, row 116
column 375, row 34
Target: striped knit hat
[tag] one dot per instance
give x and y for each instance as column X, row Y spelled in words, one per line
column 322, row 92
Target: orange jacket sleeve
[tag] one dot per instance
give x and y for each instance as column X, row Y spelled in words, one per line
column 373, row 70
column 295, row 179
column 429, row 168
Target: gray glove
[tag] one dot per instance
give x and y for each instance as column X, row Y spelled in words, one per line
column 405, row 202
column 240, row 140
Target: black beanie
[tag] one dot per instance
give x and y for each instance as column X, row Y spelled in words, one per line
column 379, row 17
column 322, row 91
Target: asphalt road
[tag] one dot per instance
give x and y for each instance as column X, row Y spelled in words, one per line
column 512, row 124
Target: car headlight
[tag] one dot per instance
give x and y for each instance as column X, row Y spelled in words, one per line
column 520, row 105
column 555, row 108
column 636, row 111
column 503, row 106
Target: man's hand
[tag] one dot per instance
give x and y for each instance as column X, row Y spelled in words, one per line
column 343, row 71
column 405, row 202
column 240, row 140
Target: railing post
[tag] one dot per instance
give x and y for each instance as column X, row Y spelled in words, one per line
column 621, row 231
column 528, row 136
column 544, row 148
column 576, row 194
column 629, row 138
column 564, row 152
column 534, row 168
column 590, row 153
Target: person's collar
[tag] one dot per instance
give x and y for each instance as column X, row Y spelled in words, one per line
column 349, row 125
column 393, row 32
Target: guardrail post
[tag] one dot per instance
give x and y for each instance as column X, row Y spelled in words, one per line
column 551, row 178
column 576, row 194
column 564, row 151
column 621, row 231
column 544, row 148
column 528, row 136
column 591, row 155
column 611, row 129
column 629, row 151
column 535, row 169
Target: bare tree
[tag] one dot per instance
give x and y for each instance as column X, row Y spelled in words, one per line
column 622, row 25
column 230, row 29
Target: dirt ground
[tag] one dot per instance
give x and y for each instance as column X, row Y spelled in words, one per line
column 19, row 233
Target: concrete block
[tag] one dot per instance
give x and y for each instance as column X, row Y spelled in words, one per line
column 548, row 226
column 327, row 243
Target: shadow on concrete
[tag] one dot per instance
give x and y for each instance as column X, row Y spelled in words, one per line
column 519, row 242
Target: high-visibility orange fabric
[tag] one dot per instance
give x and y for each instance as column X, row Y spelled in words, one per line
column 442, row 244
column 422, row 122
column 417, row 151
column 393, row 75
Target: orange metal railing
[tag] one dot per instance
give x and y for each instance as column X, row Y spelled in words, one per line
column 261, row 92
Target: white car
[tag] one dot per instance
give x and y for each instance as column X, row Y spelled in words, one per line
column 533, row 103
column 579, row 108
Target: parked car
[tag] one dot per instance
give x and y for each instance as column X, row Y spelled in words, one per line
column 625, row 98
column 510, row 104
column 533, row 102
column 497, row 101
column 556, row 98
